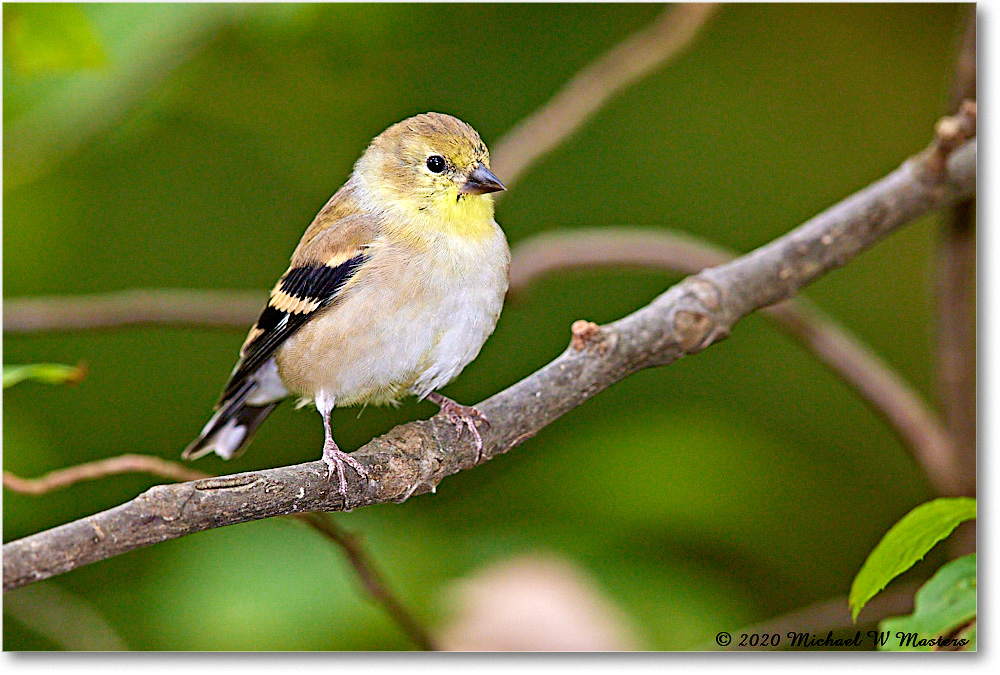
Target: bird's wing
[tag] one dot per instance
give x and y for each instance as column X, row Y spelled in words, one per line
column 322, row 265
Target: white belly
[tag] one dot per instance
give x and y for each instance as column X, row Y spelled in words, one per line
column 407, row 324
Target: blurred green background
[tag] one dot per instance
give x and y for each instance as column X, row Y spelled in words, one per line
column 190, row 145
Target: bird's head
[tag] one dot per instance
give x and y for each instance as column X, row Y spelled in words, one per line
column 432, row 169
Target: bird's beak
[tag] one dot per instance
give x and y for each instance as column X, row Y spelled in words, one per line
column 481, row 181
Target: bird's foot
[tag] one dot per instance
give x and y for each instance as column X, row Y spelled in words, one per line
column 335, row 458
column 462, row 416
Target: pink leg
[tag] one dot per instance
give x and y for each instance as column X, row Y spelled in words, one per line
column 335, row 458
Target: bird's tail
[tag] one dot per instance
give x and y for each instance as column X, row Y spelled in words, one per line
column 230, row 429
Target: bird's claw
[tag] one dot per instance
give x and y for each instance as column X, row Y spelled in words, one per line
column 463, row 416
column 335, row 458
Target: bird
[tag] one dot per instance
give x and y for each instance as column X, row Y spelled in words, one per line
column 392, row 290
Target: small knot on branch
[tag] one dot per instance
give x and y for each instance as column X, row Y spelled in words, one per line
column 950, row 133
column 587, row 335
column 953, row 131
column 695, row 327
column 692, row 330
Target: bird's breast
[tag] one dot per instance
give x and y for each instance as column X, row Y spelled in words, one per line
column 409, row 322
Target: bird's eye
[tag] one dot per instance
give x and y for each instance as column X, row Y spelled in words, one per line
column 435, row 163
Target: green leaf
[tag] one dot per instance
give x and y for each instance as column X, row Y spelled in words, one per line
column 49, row 373
column 942, row 606
column 43, row 37
column 906, row 543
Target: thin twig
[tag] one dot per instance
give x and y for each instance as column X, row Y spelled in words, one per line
column 414, row 458
column 372, row 580
column 956, row 294
column 550, row 252
column 887, row 394
column 138, row 307
column 588, row 90
column 62, row 478
column 964, row 82
column 879, row 385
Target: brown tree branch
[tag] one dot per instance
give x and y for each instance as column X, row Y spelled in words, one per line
column 956, row 294
column 879, row 385
column 626, row 63
column 413, row 458
column 372, row 580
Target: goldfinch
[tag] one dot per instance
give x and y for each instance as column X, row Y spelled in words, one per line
column 392, row 291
